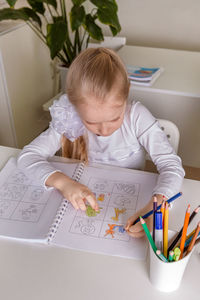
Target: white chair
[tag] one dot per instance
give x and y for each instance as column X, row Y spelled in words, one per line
column 171, row 131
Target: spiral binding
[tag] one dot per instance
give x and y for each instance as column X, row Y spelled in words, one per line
column 61, row 210
column 78, row 172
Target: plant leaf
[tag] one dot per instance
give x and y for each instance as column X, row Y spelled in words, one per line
column 24, row 13
column 106, row 16
column 77, row 16
column 113, row 30
column 103, row 4
column 92, row 28
column 51, row 2
column 78, row 2
column 37, row 6
column 11, row 2
column 56, row 37
column 31, row 15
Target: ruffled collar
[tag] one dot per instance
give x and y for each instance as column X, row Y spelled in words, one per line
column 65, row 119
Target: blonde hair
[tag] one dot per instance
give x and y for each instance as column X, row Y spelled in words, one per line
column 95, row 71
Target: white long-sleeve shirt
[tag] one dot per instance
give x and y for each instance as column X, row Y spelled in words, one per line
column 126, row 147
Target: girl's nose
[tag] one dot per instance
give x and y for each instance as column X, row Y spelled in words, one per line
column 103, row 129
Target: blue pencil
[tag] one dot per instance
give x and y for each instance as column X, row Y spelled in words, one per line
column 151, row 211
column 189, row 240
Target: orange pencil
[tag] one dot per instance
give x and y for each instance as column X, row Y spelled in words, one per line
column 191, row 245
column 185, row 226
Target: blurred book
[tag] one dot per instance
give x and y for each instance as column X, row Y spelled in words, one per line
column 143, row 76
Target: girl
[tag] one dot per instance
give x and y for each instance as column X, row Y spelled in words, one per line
column 95, row 122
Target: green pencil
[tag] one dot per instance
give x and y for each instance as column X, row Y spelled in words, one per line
column 171, row 255
column 146, row 230
column 161, row 256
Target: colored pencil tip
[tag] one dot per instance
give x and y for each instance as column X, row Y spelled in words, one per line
column 142, row 220
column 197, row 209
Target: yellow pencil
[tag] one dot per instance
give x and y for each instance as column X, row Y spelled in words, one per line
column 165, row 230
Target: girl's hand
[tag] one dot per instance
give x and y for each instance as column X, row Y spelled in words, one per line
column 136, row 230
column 75, row 192
column 78, row 194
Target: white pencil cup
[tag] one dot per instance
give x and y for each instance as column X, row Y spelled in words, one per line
column 166, row 276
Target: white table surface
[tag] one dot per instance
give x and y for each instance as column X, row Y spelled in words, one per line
column 41, row 272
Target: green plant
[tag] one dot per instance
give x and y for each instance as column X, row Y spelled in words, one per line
column 66, row 31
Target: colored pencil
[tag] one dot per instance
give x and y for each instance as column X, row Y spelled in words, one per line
column 191, row 245
column 162, row 209
column 187, row 242
column 149, row 213
column 165, row 230
column 146, row 230
column 161, row 256
column 177, row 253
column 194, row 213
column 171, row 255
column 154, row 211
column 185, row 226
column 196, row 242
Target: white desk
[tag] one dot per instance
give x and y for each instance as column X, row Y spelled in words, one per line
column 38, row 272
column 175, row 95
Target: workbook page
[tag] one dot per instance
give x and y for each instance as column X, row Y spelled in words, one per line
column 27, row 209
column 120, row 193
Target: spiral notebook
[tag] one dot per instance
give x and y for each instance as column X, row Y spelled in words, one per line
column 29, row 212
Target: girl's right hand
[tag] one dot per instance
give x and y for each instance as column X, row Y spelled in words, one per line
column 75, row 192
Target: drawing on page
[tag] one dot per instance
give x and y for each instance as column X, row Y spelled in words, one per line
column 90, row 213
column 86, row 226
column 114, row 232
column 36, row 194
column 12, row 192
column 100, row 186
column 28, row 212
column 121, row 217
column 117, row 213
column 123, row 201
column 7, row 207
column 117, row 200
column 18, row 177
column 125, row 188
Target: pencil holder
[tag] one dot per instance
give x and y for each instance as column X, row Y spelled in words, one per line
column 166, row 276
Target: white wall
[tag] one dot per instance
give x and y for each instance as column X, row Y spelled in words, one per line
column 171, row 24
column 29, row 82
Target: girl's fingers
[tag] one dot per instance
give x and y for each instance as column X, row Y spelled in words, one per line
column 136, row 228
column 129, row 222
column 136, row 234
column 81, row 204
column 92, row 201
column 74, row 203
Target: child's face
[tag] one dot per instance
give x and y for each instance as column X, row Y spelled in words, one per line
column 102, row 117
